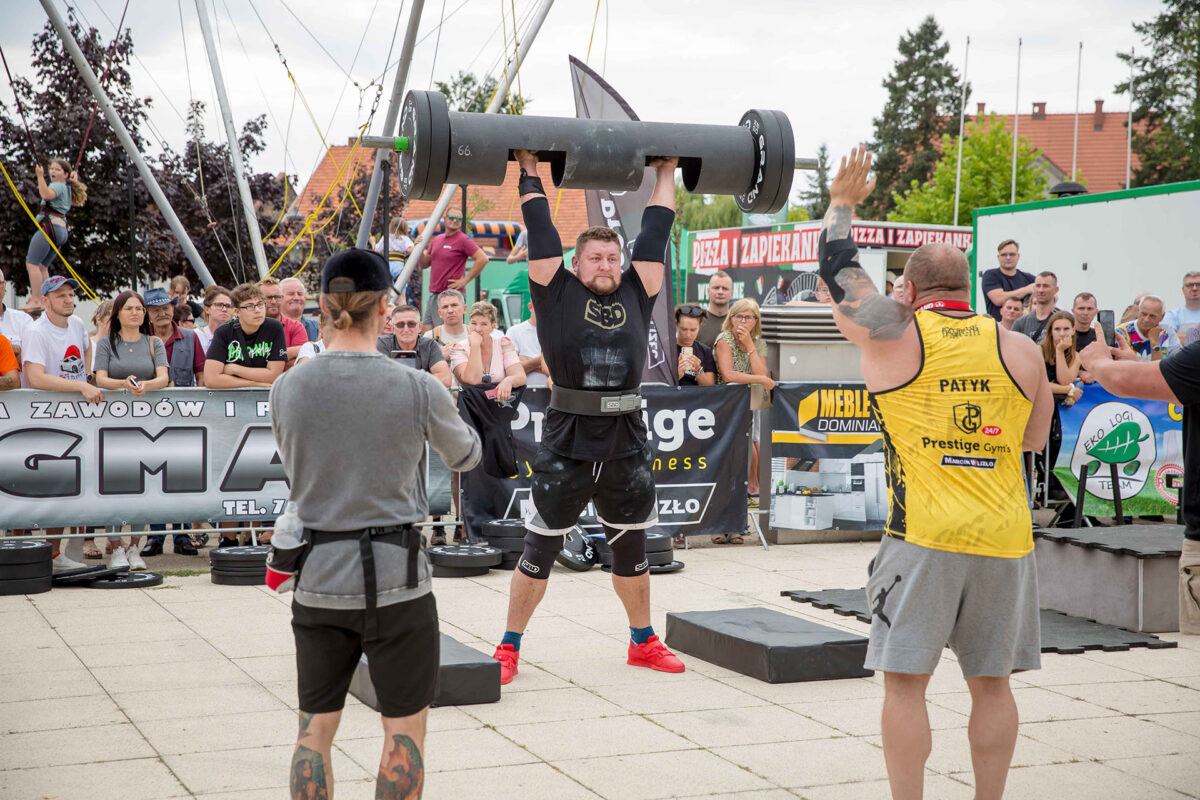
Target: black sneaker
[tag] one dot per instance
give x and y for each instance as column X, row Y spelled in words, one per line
column 153, row 547
column 227, row 542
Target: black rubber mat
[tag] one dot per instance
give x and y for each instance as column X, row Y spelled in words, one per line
column 1061, row 633
column 1139, row 541
column 465, row 677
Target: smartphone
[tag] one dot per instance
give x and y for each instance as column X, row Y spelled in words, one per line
column 1108, row 323
column 406, row 357
column 687, row 351
column 133, row 381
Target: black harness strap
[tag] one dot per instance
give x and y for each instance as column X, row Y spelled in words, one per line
column 410, row 539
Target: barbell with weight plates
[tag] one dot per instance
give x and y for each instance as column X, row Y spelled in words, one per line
column 754, row 160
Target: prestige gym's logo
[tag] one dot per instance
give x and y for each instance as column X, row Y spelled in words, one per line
column 968, row 417
column 1115, row 433
column 602, row 315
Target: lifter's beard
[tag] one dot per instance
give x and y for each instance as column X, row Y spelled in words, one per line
column 594, row 285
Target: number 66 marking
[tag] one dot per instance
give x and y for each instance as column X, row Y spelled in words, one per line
column 464, row 149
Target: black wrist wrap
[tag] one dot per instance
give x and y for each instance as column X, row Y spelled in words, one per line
column 832, row 258
column 544, row 241
column 529, row 184
column 652, row 239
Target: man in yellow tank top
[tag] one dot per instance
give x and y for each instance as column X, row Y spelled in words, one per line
column 958, row 399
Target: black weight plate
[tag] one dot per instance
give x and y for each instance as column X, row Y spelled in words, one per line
column 772, row 173
column 604, row 557
column 22, row 572
column 785, row 158
column 577, row 554
column 506, row 544
column 752, row 199
column 504, row 527
column 508, row 561
column 84, row 575
column 240, row 555
column 24, row 551
column 674, row 566
column 660, row 559
column 439, row 143
column 441, row 571
column 414, row 162
column 226, row 579
column 26, row 586
column 128, row 580
column 658, row 543
column 464, row 556
column 600, row 543
column 239, row 569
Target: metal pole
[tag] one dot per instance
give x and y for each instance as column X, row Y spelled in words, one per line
column 235, row 152
column 122, row 133
column 1129, row 133
column 962, row 116
column 133, row 282
column 1075, row 140
column 389, row 122
column 1016, row 123
column 510, row 71
column 387, row 208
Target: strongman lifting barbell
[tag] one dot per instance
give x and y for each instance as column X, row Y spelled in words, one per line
column 753, row 160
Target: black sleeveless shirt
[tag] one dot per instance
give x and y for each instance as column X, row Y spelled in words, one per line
column 595, row 342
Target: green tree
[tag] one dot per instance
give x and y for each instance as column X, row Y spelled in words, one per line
column 798, row 214
column 1166, row 87
column 923, row 100
column 466, row 92
column 816, row 196
column 986, row 176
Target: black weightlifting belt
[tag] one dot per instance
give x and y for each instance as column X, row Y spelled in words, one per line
column 595, row 403
column 410, row 539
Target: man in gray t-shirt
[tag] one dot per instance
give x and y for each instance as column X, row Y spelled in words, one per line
column 357, row 474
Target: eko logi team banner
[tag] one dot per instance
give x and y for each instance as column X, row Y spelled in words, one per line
column 699, row 436
column 1144, row 438
column 179, row 455
column 190, row 455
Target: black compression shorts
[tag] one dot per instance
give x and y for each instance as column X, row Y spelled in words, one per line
column 622, row 489
column 403, row 659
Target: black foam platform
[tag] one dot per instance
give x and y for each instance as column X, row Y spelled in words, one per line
column 1139, row 541
column 768, row 645
column 1061, row 633
column 465, row 677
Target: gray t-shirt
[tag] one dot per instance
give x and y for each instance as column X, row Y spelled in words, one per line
column 354, row 463
column 1031, row 326
column 428, row 352
column 129, row 358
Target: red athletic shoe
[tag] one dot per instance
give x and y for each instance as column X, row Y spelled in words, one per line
column 507, row 657
column 655, row 655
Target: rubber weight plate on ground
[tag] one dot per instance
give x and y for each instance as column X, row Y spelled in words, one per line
column 128, row 580
column 507, row 544
column 26, row 586
column 504, row 528
column 234, row 579
column 577, row 554
column 22, row 572
column 249, row 554
column 660, row 559
column 509, row 561
column 24, row 551
column 464, row 556
column 236, row 569
column 440, row 571
column 77, row 576
column 674, row 566
column 658, row 543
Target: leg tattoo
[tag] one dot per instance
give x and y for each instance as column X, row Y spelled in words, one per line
column 402, row 775
column 309, row 777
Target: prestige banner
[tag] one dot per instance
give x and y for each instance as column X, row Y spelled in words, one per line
column 699, row 435
column 177, row 455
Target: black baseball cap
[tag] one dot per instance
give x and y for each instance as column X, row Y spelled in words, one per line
column 355, row 270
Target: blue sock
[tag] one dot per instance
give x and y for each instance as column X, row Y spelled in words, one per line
column 641, row 635
column 512, row 638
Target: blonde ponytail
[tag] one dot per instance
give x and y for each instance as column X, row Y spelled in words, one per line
column 350, row 309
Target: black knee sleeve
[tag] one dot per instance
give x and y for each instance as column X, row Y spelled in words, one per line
column 538, row 556
column 628, row 552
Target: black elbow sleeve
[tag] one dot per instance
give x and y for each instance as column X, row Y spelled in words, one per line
column 544, row 241
column 832, row 258
column 652, row 239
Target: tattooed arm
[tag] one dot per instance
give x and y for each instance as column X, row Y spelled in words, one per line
column 862, row 314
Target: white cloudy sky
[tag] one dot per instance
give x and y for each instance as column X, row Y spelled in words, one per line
column 688, row 60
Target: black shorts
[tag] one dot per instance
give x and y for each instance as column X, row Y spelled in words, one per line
column 622, row 489
column 403, row 658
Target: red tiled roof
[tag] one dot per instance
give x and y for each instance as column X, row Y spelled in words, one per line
column 499, row 202
column 1101, row 153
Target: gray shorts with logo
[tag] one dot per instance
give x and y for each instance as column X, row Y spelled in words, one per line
column 985, row 608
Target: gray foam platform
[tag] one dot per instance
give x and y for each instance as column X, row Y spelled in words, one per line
column 1061, row 633
column 768, row 645
column 465, row 677
column 1126, row 575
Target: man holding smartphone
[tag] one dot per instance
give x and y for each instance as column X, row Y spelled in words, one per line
column 406, row 344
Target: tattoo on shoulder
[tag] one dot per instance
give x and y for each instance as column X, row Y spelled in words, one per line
column 837, row 222
column 402, row 775
column 309, row 780
column 865, row 306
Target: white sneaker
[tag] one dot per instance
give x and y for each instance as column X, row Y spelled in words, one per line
column 63, row 564
column 135, row 559
column 117, row 558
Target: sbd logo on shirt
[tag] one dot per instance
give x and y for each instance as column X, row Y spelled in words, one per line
column 604, row 316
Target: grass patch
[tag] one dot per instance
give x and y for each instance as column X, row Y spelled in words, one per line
column 182, row 573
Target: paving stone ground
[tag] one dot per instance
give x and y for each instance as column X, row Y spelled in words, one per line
column 188, row 690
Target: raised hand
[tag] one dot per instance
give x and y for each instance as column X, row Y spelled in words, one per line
column 854, row 182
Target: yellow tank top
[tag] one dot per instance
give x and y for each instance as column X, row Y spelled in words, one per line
column 952, row 444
